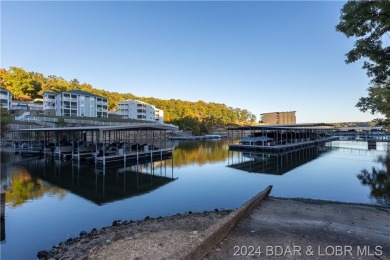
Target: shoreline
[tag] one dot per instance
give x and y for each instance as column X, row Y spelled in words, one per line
column 148, row 237
column 177, row 236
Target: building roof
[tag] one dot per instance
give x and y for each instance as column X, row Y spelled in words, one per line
column 84, row 93
column 50, row 92
column 278, row 112
column 135, row 100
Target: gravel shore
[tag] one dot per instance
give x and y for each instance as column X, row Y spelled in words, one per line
column 152, row 238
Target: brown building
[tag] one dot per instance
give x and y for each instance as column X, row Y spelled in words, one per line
column 278, row 118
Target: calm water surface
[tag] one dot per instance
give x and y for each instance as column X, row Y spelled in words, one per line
column 49, row 201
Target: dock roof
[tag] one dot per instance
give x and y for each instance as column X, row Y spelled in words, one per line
column 153, row 127
column 305, row 126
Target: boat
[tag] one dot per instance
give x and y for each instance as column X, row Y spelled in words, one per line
column 63, row 152
column 213, row 137
column 197, row 137
column 256, row 140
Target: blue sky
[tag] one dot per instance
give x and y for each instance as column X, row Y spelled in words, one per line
column 258, row 55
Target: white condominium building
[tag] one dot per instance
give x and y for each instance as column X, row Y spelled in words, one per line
column 75, row 103
column 135, row 109
column 49, row 103
column 5, row 98
column 159, row 115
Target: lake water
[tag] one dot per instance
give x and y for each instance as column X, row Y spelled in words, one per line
column 49, row 201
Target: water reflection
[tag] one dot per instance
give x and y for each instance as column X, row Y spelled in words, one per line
column 199, row 152
column 272, row 163
column 23, row 187
column 378, row 180
column 2, row 230
column 97, row 185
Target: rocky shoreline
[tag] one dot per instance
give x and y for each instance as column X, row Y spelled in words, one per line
column 151, row 238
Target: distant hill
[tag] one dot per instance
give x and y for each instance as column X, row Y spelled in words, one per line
column 355, row 124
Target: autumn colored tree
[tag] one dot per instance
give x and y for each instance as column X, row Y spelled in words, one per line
column 19, row 82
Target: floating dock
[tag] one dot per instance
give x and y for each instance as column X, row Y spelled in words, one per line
column 105, row 145
column 280, row 138
column 280, row 148
column 134, row 157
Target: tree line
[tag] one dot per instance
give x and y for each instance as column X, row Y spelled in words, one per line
column 26, row 86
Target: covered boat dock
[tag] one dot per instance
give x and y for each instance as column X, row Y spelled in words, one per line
column 279, row 138
column 104, row 144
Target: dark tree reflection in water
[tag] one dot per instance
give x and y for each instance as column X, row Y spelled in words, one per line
column 378, row 180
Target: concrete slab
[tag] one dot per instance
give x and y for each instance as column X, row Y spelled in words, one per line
column 308, row 229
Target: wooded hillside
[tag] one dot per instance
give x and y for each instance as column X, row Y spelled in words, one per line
column 25, row 85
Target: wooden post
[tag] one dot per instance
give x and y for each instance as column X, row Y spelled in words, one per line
column 2, row 199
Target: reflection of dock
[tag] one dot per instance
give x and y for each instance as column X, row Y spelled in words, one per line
column 272, row 163
column 2, row 219
column 102, row 185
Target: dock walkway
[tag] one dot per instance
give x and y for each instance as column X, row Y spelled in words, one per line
column 134, row 157
column 279, row 148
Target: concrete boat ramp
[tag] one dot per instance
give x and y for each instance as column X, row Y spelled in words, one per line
column 276, row 228
column 308, row 229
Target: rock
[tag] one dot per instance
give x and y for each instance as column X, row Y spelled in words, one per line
column 147, row 218
column 43, row 254
column 117, row 237
column 83, row 233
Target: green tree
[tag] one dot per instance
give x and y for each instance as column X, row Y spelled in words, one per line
column 56, row 84
column 369, row 22
column 378, row 100
column 61, row 122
